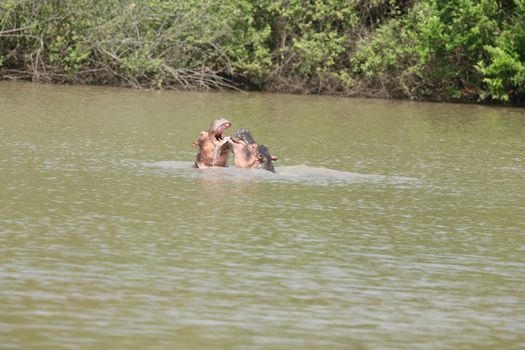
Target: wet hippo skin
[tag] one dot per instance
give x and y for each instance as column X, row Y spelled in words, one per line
column 248, row 154
column 208, row 141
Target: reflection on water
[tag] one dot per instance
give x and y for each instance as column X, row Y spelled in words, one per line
column 388, row 225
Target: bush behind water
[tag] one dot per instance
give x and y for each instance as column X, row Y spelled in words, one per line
column 420, row 49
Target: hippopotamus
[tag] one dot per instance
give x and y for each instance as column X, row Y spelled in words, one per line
column 249, row 154
column 212, row 150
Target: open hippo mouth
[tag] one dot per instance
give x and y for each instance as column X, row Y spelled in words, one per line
column 242, row 136
column 210, row 143
column 218, row 126
column 249, row 154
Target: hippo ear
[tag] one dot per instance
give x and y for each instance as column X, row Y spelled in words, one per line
column 274, row 157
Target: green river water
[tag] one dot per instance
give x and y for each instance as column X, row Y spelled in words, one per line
column 388, row 225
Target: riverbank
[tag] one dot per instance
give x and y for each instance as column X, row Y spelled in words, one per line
column 463, row 51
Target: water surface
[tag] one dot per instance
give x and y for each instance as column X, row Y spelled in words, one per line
column 388, row 225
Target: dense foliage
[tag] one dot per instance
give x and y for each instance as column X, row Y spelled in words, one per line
column 465, row 50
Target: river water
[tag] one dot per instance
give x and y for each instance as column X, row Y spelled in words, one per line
column 388, row 225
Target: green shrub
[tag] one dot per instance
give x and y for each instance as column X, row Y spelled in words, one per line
column 504, row 70
column 431, row 52
column 419, row 49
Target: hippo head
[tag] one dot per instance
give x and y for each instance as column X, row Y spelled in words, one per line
column 265, row 158
column 210, row 144
column 248, row 154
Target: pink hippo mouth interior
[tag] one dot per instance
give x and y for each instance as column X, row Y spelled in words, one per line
column 220, row 130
